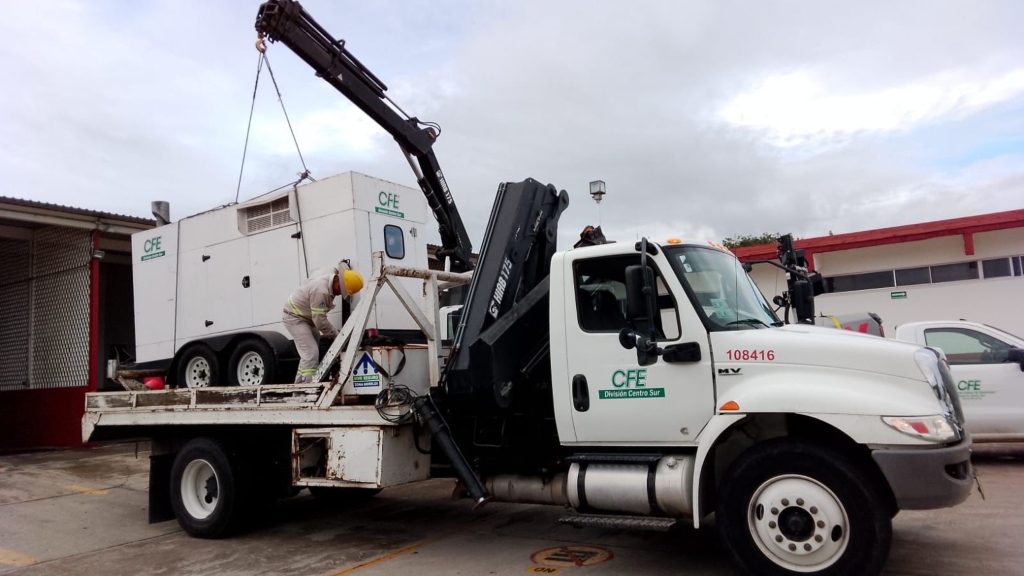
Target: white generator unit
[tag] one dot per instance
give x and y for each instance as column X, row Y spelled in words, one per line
column 210, row 288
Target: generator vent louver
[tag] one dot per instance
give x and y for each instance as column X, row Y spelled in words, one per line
column 267, row 215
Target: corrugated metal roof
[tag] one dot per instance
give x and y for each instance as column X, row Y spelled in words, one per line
column 77, row 211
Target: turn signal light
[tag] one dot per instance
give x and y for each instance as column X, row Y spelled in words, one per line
column 934, row 428
column 730, row 406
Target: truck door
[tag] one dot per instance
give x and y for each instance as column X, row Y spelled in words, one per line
column 663, row 403
column 991, row 388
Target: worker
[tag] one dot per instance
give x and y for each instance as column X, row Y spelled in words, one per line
column 305, row 314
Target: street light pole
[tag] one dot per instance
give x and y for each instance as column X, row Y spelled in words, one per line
column 597, row 192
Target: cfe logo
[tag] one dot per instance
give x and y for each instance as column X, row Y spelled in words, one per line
column 631, row 383
column 969, row 385
column 623, row 378
column 388, row 204
column 152, row 249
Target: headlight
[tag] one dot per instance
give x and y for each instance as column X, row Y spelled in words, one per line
column 934, row 428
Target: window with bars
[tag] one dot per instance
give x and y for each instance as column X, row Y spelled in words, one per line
column 268, row 215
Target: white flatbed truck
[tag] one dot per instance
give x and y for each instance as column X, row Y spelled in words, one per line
column 804, row 441
column 637, row 385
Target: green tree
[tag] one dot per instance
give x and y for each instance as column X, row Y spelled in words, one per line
column 745, row 240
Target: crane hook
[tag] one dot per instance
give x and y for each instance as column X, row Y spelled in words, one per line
column 261, row 47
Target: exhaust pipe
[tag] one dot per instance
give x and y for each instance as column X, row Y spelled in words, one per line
column 527, row 489
column 161, row 211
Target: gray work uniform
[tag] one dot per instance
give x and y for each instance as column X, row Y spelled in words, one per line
column 305, row 318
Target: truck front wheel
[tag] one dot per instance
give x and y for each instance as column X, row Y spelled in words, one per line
column 204, row 489
column 792, row 507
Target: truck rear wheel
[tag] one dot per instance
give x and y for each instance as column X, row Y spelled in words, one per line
column 253, row 363
column 205, row 492
column 792, row 507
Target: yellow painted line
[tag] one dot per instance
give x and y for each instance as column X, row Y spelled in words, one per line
column 12, row 558
column 384, row 558
column 86, row 490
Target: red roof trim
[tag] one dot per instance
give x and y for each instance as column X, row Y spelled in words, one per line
column 894, row 235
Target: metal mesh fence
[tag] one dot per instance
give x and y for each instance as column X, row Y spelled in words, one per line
column 44, row 327
column 14, row 314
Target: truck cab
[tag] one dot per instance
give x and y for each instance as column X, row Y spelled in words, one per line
column 760, row 410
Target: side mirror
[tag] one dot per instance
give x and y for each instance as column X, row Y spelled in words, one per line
column 640, row 301
column 1016, row 355
column 641, row 306
column 817, row 282
column 803, row 301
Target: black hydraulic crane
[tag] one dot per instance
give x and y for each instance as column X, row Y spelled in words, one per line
column 287, row 22
column 495, row 391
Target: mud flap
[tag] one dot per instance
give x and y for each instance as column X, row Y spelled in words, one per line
column 160, row 488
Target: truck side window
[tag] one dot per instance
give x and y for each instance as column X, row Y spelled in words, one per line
column 601, row 297
column 394, row 242
column 964, row 346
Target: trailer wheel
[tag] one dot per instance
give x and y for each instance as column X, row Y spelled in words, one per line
column 791, row 507
column 198, row 367
column 253, row 363
column 205, row 491
column 338, row 497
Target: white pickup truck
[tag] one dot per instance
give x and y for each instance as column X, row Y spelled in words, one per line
column 988, row 366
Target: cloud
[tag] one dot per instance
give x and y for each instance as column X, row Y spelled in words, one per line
column 887, row 113
column 795, row 108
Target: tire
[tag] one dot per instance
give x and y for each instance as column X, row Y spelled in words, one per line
column 198, row 367
column 341, row 497
column 206, row 492
column 792, row 507
column 253, row 363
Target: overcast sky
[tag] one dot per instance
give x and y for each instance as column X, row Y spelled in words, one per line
column 706, row 119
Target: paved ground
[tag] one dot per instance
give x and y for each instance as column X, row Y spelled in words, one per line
column 84, row 512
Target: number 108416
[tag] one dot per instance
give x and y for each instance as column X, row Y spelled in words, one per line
column 768, row 355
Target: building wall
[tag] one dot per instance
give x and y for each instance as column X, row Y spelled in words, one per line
column 996, row 301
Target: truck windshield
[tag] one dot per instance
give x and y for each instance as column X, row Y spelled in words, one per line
column 721, row 291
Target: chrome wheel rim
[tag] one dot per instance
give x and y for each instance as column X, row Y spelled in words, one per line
column 798, row 523
column 250, row 370
column 197, row 373
column 200, row 489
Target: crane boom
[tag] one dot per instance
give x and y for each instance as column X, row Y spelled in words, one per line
column 287, row 22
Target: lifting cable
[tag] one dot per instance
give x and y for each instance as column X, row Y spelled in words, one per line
column 304, row 175
column 245, row 148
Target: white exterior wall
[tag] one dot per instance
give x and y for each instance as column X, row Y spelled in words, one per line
column 995, row 301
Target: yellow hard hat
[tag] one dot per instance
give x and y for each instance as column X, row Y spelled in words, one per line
column 353, row 281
